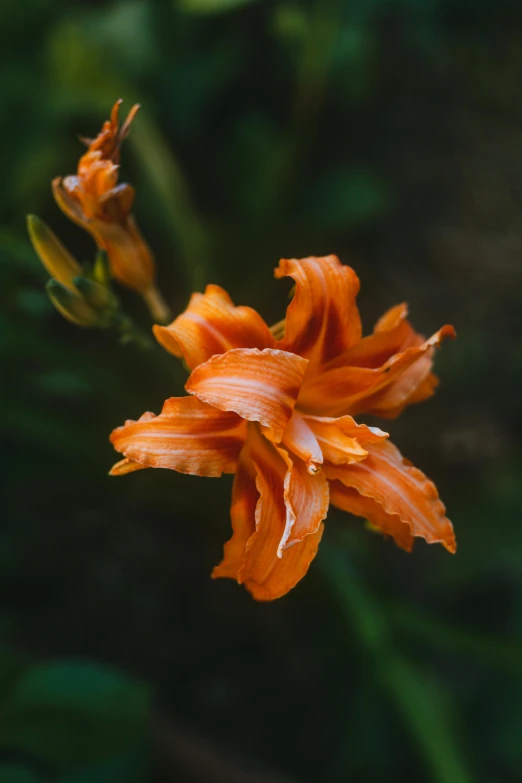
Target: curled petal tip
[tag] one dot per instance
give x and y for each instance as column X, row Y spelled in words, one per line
column 378, row 432
column 450, row 545
column 446, row 332
column 451, row 331
column 114, row 111
column 125, row 466
column 322, row 320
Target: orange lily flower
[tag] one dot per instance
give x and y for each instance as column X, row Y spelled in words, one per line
column 279, row 414
column 95, row 200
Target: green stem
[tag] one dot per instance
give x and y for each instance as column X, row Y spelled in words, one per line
column 129, row 333
column 417, row 700
column 158, row 308
column 313, row 75
column 312, row 78
column 172, row 193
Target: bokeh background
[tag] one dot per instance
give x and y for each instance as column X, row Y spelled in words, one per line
column 388, row 132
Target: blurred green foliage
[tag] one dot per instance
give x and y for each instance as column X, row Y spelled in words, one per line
column 70, row 715
column 387, row 132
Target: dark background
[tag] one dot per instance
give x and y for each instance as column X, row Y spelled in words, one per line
column 388, row 132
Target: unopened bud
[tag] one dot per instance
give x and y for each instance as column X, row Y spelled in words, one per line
column 99, row 297
column 54, row 256
column 101, row 271
column 73, row 307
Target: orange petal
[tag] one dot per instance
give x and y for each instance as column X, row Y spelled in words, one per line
column 265, row 574
column 108, row 141
column 117, row 202
column 242, row 514
column 307, row 497
column 68, row 195
column 348, row 499
column 188, row 436
column 392, row 319
column 113, row 122
column 130, row 258
column 277, row 512
column 211, row 325
column 124, row 130
column 425, row 390
column 258, row 385
column 401, row 489
column 69, row 206
column 342, row 440
column 322, row 320
column 299, row 438
column 412, row 380
column 382, row 391
column 392, row 334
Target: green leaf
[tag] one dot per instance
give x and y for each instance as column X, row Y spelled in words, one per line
column 33, row 303
column 252, row 147
column 493, row 651
column 128, row 767
column 63, row 384
column 68, row 713
column 346, row 197
column 212, row 6
column 11, row 667
column 290, row 23
column 15, row 773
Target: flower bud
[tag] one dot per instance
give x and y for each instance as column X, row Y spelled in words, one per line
column 99, row 297
column 94, row 199
column 54, row 256
column 101, row 271
column 73, row 307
